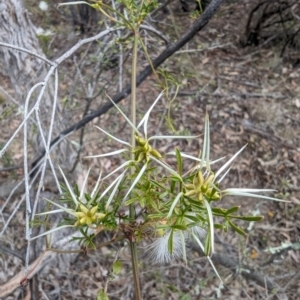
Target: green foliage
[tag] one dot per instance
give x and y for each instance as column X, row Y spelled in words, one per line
column 176, row 204
column 117, row 267
column 102, row 295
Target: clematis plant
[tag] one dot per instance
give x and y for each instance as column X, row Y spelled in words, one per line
column 176, row 206
column 145, row 200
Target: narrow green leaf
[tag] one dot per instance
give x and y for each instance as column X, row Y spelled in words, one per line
column 126, row 163
column 136, row 180
column 207, row 245
column 164, row 137
column 107, row 154
column 183, row 246
column 219, row 210
column 158, row 185
column 172, row 186
column 179, row 227
column 176, row 179
column 211, row 226
column 50, row 231
column 226, row 226
column 236, row 228
column 223, row 168
column 163, row 195
column 232, row 210
column 193, row 218
column 195, row 204
column 102, row 295
column 251, row 193
column 111, row 197
column 83, row 188
column 248, row 218
column 123, row 114
column 113, row 137
column 171, row 242
column 218, row 226
column 96, row 187
column 50, row 212
column 70, row 190
column 144, row 120
column 167, row 167
column 117, row 267
column 179, row 161
column 130, row 201
column 174, row 204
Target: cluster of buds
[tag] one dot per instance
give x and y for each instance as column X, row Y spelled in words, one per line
column 144, row 150
column 202, row 187
column 88, row 216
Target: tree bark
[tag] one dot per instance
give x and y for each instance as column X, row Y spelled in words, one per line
column 25, row 69
column 16, row 29
column 23, row 62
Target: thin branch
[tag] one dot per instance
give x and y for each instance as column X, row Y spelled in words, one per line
column 27, row 51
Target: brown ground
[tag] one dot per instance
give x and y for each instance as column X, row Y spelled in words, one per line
column 253, row 97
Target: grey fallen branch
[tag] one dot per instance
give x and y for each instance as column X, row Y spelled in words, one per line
column 248, row 273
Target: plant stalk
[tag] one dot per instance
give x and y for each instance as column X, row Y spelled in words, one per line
column 133, row 248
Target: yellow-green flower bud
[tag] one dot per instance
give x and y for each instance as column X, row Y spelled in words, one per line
column 141, row 157
column 147, row 148
column 83, row 221
column 200, row 178
column 79, row 214
column 204, row 188
column 191, row 193
column 209, row 179
column 155, row 153
column 140, row 141
column 83, row 209
column 88, row 216
column 93, row 210
column 212, row 194
column 189, row 186
column 200, row 197
column 100, row 216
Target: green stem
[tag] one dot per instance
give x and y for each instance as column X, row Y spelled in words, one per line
column 133, row 248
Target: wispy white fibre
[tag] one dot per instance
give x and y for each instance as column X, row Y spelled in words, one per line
column 159, row 252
